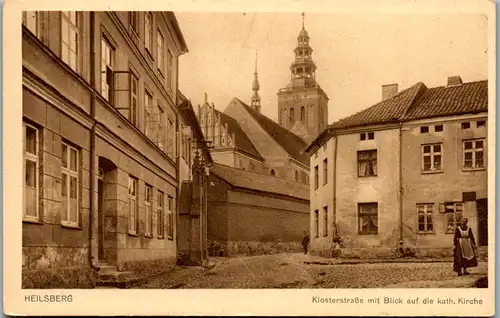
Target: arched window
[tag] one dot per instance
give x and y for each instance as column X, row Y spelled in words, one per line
column 272, row 172
column 302, row 114
column 292, row 115
column 285, row 115
column 296, row 176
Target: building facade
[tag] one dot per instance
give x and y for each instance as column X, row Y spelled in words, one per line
column 402, row 173
column 101, row 128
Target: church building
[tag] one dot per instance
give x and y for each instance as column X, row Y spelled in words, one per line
column 258, row 197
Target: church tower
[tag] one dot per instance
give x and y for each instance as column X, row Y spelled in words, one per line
column 302, row 104
column 255, row 100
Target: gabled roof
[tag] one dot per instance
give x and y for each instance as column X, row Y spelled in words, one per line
column 242, row 142
column 467, row 98
column 389, row 110
column 293, row 144
column 417, row 102
column 260, row 182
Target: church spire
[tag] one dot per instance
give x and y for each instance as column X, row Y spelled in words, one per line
column 255, row 101
column 303, row 69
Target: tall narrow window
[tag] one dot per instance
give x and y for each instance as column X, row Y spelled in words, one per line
column 425, row 224
column 273, row 173
column 170, row 71
column 296, row 176
column 148, row 33
column 368, row 218
column 69, row 183
column 170, row 137
column 106, row 69
column 160, row 53
column 69, row 38
column 134, row 22
column 161, row 129
column 31, row 172
column 148, row 113
column 432, row 158
column 302, row 114
column 325, row 221
column 367, row 163
column 325, row 171
column 292, row 115
column 473, row 152
column 170, row 218
column 133, row 213
column 31, row 21
column 316, row 223
column 160, row 214
column 149, row 212
column 316, row 178
column 134, row 99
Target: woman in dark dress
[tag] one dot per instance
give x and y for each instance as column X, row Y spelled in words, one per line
column 464, row 245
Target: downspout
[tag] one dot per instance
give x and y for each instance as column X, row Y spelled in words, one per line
column 92, row 259
column 401, row 184
column 335, row 233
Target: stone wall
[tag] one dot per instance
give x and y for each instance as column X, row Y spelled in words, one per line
column 233, row 248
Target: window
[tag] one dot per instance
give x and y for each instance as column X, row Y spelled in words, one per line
column 474, row 154
column 371, row 135
column 438, row 128
column 148, row 33
column 134, row 22
column 134, row 104
column 296, row 176
column 160, row 214
column 303, row 177
column 69, row 184
column 424, row 129
column 273, row 173
column 316, row 223
column 424, row 212
column 69, row 38
column 432, row 158
column 160, row 52
column 362, row 136
column 251, row 166
column 148, row 113
column 466, row 125
column 453, row 215
column 292, row 115
column 149, row 213
column 31, row 172
column 480, row 123
column 368, row 218
column 367, row 163
column 325, row 221
column 170, row 71
column 325, row 171
column 316, row 177
column 106, row 69
column 161, row 130
column 31, row 19
column 133, row 216
column 302, row 114
column 324, row 146
column 170, row 138
column 170, row 219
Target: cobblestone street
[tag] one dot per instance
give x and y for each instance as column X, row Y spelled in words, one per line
column 292, row 271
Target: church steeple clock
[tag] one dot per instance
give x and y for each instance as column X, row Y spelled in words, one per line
column 302, row 104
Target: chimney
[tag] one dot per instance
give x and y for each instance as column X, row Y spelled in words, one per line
column 454, row 80
column 389, row 91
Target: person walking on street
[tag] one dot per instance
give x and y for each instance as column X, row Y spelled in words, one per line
column 305, row 242
column 464, row 245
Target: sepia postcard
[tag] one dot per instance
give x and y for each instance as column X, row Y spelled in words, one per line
column 246, row 158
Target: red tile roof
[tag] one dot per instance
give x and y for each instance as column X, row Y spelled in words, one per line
column 242, row 142
column 260, row 182
column 293, row 144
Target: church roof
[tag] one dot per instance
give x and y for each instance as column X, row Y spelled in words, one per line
column 293, row 144
column 260, row 182
column 242, row 142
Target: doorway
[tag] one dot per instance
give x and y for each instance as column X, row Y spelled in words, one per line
column 100, row 217
column 482, row 222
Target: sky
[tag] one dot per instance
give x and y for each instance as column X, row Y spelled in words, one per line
column 355, row 54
